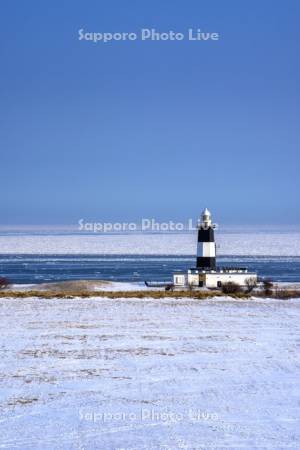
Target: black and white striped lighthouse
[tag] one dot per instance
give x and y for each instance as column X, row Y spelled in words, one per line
column 206, row 274
column 206, row 247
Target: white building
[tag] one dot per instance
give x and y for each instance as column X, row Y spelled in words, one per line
column 206, row 273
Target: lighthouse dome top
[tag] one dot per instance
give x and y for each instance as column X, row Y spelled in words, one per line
column 206, row 212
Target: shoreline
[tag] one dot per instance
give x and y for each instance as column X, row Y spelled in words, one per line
column 115, row 290
column 142, row 294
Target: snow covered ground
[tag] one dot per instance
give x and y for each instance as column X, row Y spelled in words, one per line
column 263, row 243
column 148, row 374
column 120, row 286
column 90, row 285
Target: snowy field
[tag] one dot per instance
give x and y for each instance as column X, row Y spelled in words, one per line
column 263, row 243
column 147, row 374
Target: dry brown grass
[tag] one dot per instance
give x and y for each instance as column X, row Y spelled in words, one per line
column 83, row 291
column 117, row 294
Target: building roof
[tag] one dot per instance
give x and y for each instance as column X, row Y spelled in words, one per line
column 231, row 270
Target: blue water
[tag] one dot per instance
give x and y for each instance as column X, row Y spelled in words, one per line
column 38, row 269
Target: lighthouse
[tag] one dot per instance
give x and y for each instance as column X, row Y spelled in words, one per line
column 206, row 247
column 206, row 274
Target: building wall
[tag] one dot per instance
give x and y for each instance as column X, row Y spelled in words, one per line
column 211, row 279
column 193, row 279
column 180, row 279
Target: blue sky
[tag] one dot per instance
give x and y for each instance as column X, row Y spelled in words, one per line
column 126, row 130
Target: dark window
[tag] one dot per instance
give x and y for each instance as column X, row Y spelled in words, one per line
column 219, row 284
column 200, row 283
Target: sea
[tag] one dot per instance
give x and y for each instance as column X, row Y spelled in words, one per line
column 37, row 268
column 35, row 257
